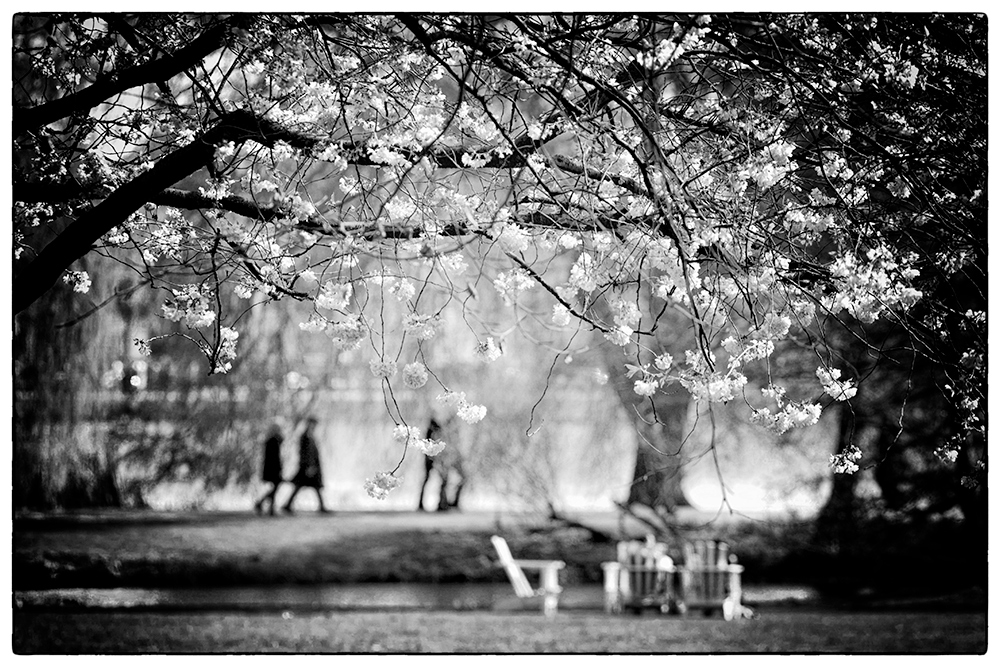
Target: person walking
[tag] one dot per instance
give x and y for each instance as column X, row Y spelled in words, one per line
column 310, row 473
column 448, row 465
column 271, row 474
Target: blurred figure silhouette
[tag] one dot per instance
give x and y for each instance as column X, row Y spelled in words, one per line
column 448, row 465
column 271, row 473
column 310, row 474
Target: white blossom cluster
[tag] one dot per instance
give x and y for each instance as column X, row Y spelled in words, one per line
column 80, row 280
column 713, row 386
column 584, row 275
column 467, row 412
column 402, row 289
column 335, row 296
column 646, row 387
column 415, row 375
column 454, row 264
column 946, row 453
column 560, row 315
column 428, row 446
column 423, row 327
column 619, row 335
column 165, row 237
column 510, row 283
column 404, row 434
column 789, row 415
column 381, row 485
column 409, row 436
column 868, row 286
column 227, row 350
column 382, row 369
column 346, row 334
column 488, row 350
column 192, row 304
column 770, row 166
column 840, row 390
column 511, row 237
column 668, row 51
column 846, row 462
column 143, row 347
column 246, row 287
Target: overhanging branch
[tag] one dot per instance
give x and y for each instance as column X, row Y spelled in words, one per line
column 161, row 69
column 80, row 236
column 155, row 184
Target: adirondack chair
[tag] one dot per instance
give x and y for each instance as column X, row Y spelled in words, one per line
column 549, row 576
column 710, row 579
column 641, row 578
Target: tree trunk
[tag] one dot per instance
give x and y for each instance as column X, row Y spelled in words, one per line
column 656, row 481
column 660, row 424
column 835, row 523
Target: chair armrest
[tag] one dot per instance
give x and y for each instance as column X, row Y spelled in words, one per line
column 539, row 564
column 713, row 568
column 650, row 568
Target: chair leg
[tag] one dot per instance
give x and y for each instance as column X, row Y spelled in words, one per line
column 612, row 588
column 550, row 605
column 550, row 584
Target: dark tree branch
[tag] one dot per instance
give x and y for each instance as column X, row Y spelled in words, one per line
column 121, row 293
column 79, row 237
column 49, row 193
column 53, row 193
column 155, row 184
column 154, row 71
column 597, row 536
column 661, row 525
column 188, row 199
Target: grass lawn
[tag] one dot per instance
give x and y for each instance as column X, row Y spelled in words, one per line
column 111, row 549
column 784, row 631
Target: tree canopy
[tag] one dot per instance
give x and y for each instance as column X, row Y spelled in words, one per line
column 753, row 181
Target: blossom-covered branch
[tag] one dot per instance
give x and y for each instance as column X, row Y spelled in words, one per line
column 765, row 181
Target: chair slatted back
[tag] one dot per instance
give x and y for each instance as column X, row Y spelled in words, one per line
column 516, row 575
column 707, row 564
column 640, row 561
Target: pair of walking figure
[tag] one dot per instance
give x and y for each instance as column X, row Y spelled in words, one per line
column 310, row 474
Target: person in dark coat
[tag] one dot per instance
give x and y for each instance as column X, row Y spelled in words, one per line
column 448, row 465
column 271, row 473
column 310, row 473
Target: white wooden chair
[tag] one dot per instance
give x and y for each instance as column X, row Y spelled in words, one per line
column 711, row 580
column 641, row 578
column 549, row 576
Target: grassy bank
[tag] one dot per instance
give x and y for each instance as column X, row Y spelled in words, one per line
column 149, row 550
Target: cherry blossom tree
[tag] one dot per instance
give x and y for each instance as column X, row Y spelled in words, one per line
column 751, row 183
